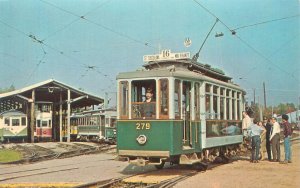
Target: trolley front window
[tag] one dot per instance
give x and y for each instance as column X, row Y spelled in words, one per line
column 143, row 101
column 6, row 121
column 15, row 122
column 44, row 123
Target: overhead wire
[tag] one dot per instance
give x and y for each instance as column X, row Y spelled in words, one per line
column 39, row 41
column 267, row 21
column 83, row 17
column 74, row 21
column 243, row 41
column 99, row 25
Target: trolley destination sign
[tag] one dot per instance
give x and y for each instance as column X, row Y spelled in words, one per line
column 166, row 55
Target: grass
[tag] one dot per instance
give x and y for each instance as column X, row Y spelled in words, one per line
column 9, row 155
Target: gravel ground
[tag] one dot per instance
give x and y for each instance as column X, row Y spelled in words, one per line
column 242, row 173
column 80, row 169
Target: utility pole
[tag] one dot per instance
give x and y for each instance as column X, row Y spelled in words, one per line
column 265, row 101
column 254, row 96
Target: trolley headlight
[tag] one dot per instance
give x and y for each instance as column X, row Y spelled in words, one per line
column 142, row 139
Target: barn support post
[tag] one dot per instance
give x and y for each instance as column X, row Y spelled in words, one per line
column 60, row 117
column 69, row 114
column 32, row 116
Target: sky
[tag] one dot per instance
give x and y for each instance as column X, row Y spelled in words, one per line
column 86, row 43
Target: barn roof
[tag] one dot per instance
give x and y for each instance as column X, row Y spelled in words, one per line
column 49, row 91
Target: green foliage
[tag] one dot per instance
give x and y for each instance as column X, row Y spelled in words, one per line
column 280, row 109
column 9, row 155
column 269, row 111
column 7, row 89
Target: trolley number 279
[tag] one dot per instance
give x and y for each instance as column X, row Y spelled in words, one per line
column 143, row 126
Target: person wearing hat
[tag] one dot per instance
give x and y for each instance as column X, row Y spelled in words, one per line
column 287, row 132
column 267, row 124
column 148, row 108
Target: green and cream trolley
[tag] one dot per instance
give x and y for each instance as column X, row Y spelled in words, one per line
column 197, row 112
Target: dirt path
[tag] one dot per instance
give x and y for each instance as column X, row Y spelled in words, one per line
column 242, row 173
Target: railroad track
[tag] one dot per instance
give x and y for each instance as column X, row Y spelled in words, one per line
column 140, row 180
column 164, row 178
column 35, row 153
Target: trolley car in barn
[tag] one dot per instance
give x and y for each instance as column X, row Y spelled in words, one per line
column 196, row 112
column 43, row 120
column 13, row 126
column 93, row 125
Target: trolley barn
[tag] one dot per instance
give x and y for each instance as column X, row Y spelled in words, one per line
column 46, row 105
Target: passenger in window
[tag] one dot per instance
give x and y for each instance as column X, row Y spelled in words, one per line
column 148, row 108
column 231, row 130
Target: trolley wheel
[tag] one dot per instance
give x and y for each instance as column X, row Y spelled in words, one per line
column 160, row 166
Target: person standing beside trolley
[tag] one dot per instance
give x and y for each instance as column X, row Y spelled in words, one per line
column 246, row 123
column 267, row 124
column 255, row 132
column 287, row 132
column 275, row 140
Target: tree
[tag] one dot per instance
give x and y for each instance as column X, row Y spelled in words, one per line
column 279, row 109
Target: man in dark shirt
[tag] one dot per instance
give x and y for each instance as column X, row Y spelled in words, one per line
column 267, row 124
column 287, row 132
column 148, row 108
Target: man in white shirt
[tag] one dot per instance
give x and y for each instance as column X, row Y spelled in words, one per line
column 275, row 140
column 246, row 123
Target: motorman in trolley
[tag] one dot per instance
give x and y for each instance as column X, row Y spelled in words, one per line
column 148, row 108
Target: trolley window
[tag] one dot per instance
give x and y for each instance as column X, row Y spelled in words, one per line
column 38, row 123
column 143, row 102
column 6, row 121
column 197, row 101
column 209, row 102
column 23, row 120
column 15, row 122
column 177, row 99
column 113, row 122
column 222, row 103
column 44, row 123
column 123, row 99
column 163, row 98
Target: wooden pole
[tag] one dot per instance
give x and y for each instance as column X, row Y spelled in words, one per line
column 32, row 117
column 60, row 117
column 69, row 114
column 265, row 100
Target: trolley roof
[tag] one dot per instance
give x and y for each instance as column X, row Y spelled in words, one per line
column 184, row 68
